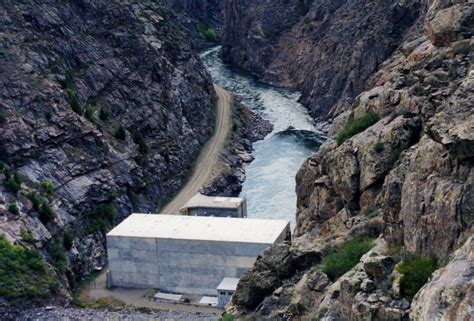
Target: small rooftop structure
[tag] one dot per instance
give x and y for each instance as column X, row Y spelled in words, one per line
column 187, row 254
column 202, row 205
column 225, row 290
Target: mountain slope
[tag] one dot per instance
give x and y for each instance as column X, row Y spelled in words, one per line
column 104, row 106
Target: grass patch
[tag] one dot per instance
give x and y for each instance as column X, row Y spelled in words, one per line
column 23, row 273
column 415, row 272
column 227, row 317
column 356, row 126
column 346, row 257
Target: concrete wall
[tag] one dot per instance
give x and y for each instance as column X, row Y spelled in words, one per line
column 178, row 266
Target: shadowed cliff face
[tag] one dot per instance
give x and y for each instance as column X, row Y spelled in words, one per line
column 327, row 49
column 404, row 179
column 107, row 102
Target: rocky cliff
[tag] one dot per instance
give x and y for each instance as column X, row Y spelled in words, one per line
column 327, row 49
column 104, row 106
column 389, row 198
column 203, row 19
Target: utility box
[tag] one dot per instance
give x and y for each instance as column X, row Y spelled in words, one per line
column 202, row 205
column 186, row 254
column 225, row 290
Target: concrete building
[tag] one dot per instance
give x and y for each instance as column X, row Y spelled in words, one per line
column 225, row 290
column 186, row 254
column 202, row 205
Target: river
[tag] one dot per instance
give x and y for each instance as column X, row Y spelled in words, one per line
column 270, row 179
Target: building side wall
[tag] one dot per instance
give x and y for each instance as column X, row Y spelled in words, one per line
column 218, row 212
column 178, row 266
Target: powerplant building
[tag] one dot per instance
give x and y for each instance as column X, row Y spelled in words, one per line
column 202, row 205
column 187, row 254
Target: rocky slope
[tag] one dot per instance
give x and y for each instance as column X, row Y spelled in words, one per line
column 104, row 106
column 397, row 169
column 295, row 43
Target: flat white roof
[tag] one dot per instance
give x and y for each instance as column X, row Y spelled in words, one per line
column 209, row 300
column 228, row 284
column 167, row 296
column 200, row 200
column 226, row 229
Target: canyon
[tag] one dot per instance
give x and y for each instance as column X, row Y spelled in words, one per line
column 105, row 106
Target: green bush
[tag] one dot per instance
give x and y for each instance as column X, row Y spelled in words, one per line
column 373, row 214
column 46, row 213
column 102, row 217
column 70, row 89
column 357, row 125
column 47, row 186
column 105, row 114
column 207, row 32
column 27, row 237
column 227, row 317
column 140, row 141
column 346, row 257
column 120, row 133
column 89, row 114
column 58, row 257
column 23, row 273
column 415, row 272
column 13, row 208
column 13, row 181
column 36, row 199
column 68, row 240
column 379, row 147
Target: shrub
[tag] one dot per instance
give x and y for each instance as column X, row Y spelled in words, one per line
column 379, row 147
column 36, row 199
column 23, row 273
column 105, row 114
column 89, row 114
column 68, row 240
column 120, row 133
column 373, row 214
column 357, row 125
column 102, row 217
column 227, row 317
column 27, row 237
column 415, row 272
column 47, row 186
column 13, row 208
column 3, row 118
column 58, row 257
column 207, row 32
column 46, row 213
column 346, row 257
column 13, row 181
column 70, row 89
column 140, row 141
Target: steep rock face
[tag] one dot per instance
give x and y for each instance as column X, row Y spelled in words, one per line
column 106, row 103
column 327, row 49
column 449, row 294
column 198, row 16
column 406, row 177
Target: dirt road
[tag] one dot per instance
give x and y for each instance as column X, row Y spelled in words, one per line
column 209, row 156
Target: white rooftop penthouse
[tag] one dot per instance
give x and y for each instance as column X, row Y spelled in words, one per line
column 202, row 205
column 187, row 254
